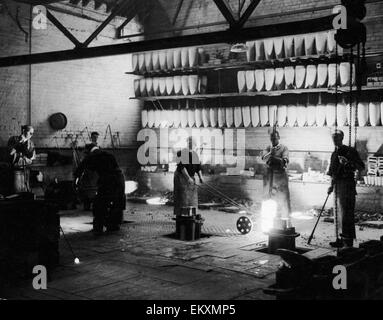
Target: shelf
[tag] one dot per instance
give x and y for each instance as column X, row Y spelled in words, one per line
column 253, row 94
column 326, row 58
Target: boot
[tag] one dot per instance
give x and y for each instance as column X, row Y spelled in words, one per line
column 338, row 243
column 347, row 242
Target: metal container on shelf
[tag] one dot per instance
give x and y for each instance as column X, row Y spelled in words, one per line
column 288, row 44
column 169, row 59
column 322, row 73
column 282, row 115
column 185, row 57
column 309, row 44
column 250, row 80
column 259, row 75
column 205, row 117
column 269, row 48
column 169, row 81
column 330, row 114
column 213, row 117
column 229, row 117
column 162, row 60
column 311, row 76
column 193, row 56
column 264, row 115
column 291, row 115
column 321, row 42
column 148, row 61
column 280, row 78
column 289, row 77
column 374, row 113
column 238, row 117
column 246, row 116
column 300, row 76
column 250, row 53
column 269, row 79
column 259, row 50
column 134, row 62
column 193, row 84
column 156, row 60
column 278, row 47
column 241, row 81
column 255, row 116
column 185, row 85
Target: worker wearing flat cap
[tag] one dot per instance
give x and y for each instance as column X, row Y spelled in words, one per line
column 21, row 152
column 110, row 200
column 345, row 161
column 276, row 182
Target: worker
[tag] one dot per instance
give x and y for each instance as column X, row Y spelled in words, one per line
column 109, row 201
column 21, row 153
column 87, row 183
column 93, row 142
column 185, row 189
column 94, row 137
column 276, row 182
column 345, row 161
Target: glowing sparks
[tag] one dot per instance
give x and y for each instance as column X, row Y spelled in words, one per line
column 130, row 186
column 268, row 213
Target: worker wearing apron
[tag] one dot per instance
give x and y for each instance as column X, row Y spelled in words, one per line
column 276, row 182
column 345, row 161
column 110, row 200
column 21, row 153
column 185, row 188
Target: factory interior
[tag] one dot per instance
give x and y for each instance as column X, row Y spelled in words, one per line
column 191, row 150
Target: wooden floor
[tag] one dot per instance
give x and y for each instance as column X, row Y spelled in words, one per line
column 142, row 262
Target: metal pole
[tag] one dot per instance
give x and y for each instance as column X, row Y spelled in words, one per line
column 316, row 224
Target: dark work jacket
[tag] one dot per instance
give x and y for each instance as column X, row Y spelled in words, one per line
column 188, row 160
column 24, row 149
column 111, row 182
column 345, row 172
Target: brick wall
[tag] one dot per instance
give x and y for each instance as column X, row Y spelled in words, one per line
column 92, row 93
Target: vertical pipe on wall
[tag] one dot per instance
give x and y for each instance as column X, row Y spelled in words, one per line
column 29, row 112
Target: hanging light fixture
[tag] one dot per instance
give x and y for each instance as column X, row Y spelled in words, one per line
column 238, row 48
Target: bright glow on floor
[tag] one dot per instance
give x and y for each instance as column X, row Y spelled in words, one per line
column 156, row 201
column 301, row 216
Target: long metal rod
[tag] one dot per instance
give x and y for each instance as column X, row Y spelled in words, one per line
column 179, row 5
column 64, row 30
column 248, row 12
column 316, row 224
column 116, row 10
column 226, row 11
column 122, row 26
column 68, row 243
column 227, row 36
column 212, row 191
